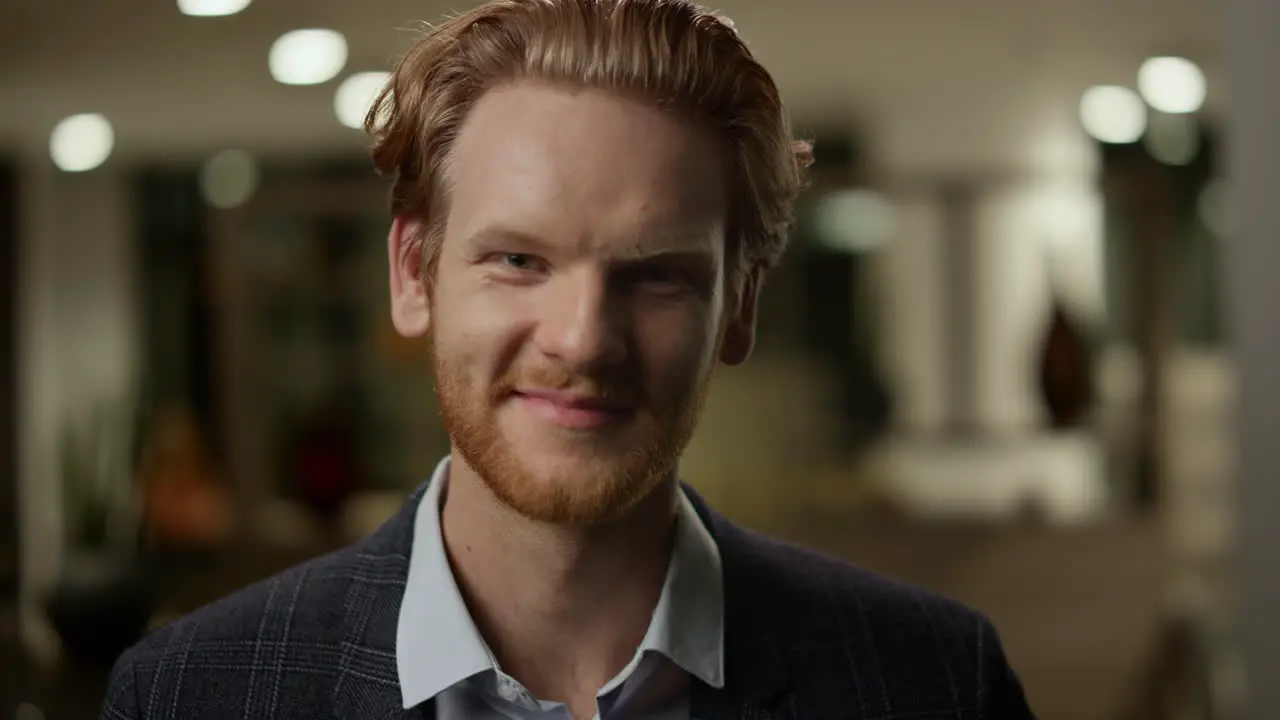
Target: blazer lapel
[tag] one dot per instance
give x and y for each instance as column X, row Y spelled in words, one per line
column 783, row 660
column 368, row 684
column 756, row 672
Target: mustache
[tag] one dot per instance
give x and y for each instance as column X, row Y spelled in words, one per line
column 606, row 387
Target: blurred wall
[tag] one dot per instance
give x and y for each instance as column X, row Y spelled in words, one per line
column 78, row 343
column 1253, row 28
column 8, row 384
column 770, row 429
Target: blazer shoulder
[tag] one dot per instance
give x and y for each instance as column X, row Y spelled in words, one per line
column 909, row 648
column 309, row 598
column 798, row 578
column 305, row 619
column 808, row 576
column 292, row 594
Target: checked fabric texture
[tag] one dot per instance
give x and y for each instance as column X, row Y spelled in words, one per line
column 807, row 637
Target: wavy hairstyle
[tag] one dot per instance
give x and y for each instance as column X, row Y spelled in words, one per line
column 671, row 53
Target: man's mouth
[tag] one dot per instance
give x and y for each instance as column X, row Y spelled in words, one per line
column 574, row 411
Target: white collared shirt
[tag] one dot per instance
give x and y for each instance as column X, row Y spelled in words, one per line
column 440, row 653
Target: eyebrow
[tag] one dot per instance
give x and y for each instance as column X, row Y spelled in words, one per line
column 515, row 239
column 508, row 237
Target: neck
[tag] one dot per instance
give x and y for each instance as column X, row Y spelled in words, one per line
column 562, row 608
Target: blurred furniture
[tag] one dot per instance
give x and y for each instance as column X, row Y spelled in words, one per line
column 1057, row 477
column 100, row 606
column 1066, row 370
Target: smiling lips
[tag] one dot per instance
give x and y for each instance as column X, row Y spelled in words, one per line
column 574, row 411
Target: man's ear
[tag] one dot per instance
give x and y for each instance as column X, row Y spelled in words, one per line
column 740, row 327
column 410, row 300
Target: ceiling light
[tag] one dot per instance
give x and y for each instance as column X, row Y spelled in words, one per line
column 1113, row 114
column 307, row 57
column 355, row 97
column 81, row 142
column 211, row 8
column 1172, row 84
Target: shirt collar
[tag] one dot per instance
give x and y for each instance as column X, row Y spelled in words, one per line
column 688, row 622
column 438, row 644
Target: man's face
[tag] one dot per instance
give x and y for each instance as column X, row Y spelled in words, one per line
column 579, row 303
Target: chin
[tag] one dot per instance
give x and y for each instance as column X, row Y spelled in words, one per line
column 572, row 486
column 564, row 477
column 574, row 468
column 566, row 501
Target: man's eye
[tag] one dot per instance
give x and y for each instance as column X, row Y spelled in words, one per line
column 659, row 274
column 517, row 261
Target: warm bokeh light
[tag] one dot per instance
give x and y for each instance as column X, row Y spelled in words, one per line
column 355, row 95
column 308, row 57
column 1172, row 84
column 228, row 179
column 81, row 142
column 212, row 8
column 1113, row 114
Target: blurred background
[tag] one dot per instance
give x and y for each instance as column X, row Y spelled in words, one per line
column 993, row 363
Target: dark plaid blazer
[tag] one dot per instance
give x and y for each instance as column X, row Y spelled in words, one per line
column 807, row 637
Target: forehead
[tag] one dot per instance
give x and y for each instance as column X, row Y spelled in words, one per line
column 586, row 165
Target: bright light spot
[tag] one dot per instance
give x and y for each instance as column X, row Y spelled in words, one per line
column 211, row 8
column 855, row 220
column 355, row 96
column 1214, row 207
column 1173, row 139
column 1113, row 114
column 81, row 142
column 307, row 57
column 228, row 179
column 1172, row 84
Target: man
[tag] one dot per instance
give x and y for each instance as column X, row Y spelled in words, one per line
column 587, row 195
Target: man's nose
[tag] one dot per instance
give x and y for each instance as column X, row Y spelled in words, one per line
column 581, row 323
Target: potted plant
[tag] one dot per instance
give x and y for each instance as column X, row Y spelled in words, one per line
column 100, row 604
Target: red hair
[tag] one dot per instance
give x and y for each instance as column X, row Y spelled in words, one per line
column 671, row 53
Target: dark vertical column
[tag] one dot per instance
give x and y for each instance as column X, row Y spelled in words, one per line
column 1152, row 208
column 1253, row 269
